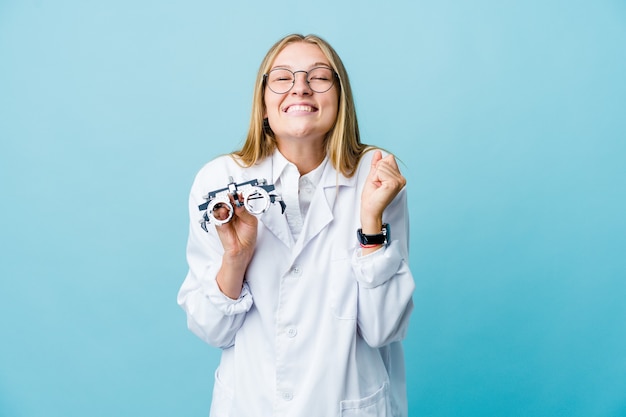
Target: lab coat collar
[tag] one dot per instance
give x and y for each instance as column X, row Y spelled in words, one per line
column 321, row 209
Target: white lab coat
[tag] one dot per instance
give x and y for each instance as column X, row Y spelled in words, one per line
column 317, row 328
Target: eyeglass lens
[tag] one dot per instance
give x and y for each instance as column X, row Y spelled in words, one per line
column 319, row 79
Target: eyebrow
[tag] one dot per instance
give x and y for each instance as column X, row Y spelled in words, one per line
column 317, row 64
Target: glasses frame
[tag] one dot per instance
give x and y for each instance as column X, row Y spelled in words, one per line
column 308, row 83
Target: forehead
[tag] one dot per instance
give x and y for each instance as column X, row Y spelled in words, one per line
column 300, row 55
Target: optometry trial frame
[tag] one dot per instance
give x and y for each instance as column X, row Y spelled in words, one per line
column 256, row 197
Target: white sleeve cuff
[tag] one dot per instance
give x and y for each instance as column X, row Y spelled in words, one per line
column 227, row 305
column 377, row 267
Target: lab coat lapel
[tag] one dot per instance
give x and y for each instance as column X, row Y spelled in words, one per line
column 273, row 219
column 321, row 209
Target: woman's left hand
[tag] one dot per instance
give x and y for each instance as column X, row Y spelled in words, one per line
column 383, row 183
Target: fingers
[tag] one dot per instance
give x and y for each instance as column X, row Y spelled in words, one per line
column 240, row 211
column 390, row 160
column 239, row 233
column 386, row 170
column 384, row 182
column 378, row 155
column 379, row 162
column 376, row 158
column 234, row 209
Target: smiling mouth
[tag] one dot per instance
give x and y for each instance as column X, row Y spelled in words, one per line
column 300, row 108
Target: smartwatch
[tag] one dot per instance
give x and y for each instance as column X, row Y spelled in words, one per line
column 381, row 238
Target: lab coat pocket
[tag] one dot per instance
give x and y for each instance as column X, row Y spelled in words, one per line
column 375, row 405
column 221, row 404
column 344, row 290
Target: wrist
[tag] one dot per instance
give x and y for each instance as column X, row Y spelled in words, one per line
column 239, row 254
column 231, row 275
column 371, row 225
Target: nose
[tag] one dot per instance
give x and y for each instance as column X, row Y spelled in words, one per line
column 300, row 84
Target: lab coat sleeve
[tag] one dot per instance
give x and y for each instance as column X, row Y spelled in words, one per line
column 385, row 281
column 211, row 315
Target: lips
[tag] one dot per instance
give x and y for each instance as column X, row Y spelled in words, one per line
column 300, row 108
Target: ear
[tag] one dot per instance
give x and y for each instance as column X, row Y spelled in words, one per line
column 266, row 125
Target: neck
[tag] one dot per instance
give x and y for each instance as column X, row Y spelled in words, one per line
column 306, row 156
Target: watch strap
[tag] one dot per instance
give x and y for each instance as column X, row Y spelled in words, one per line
column 381, row 238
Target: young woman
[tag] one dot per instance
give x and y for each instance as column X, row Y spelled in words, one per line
column 309, row 304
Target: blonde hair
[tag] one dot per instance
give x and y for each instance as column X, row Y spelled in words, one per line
column 343, row 143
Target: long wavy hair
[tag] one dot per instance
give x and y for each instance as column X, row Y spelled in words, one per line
column 343, row 143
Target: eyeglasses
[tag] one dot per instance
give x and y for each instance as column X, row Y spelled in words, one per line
column 319, row 79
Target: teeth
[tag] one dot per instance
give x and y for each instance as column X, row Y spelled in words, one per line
column 299, row 108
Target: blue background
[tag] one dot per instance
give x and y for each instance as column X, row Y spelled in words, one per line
column 509, row 117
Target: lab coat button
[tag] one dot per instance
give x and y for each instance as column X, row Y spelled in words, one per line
column 287, row 396
column 292, row 332
column 296, row 271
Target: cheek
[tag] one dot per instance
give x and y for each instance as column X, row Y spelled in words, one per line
column 334, row 110
column 334, row 104
column 271, row 104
